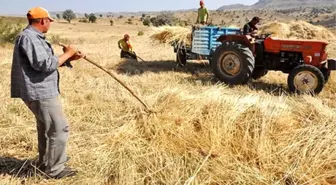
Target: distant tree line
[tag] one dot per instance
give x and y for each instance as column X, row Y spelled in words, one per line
column 69, row 15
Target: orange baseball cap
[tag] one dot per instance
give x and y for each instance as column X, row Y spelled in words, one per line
column 39, row 13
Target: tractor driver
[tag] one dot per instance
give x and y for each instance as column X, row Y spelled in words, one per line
column 251, row 27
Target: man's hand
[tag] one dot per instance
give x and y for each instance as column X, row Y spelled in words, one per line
column 77, row 56
column 68, row 49
column 70, row 54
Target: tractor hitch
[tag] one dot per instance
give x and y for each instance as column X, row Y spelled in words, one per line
column 331, row 64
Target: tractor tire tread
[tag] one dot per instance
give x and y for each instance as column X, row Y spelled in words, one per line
column 313, row 69
column 246, row 56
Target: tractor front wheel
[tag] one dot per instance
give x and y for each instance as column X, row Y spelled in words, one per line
column 233, row 63
column 306, row 79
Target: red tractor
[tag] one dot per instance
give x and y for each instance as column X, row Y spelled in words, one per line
column 239, row 59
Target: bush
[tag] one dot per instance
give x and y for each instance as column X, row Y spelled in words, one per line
column 69, row 15
column 129, row 21
column 55, row 39
column 8, row 32
column 140, row 33
column 146, row 22
column 111, row 22
column 163, row 19
column 83, row 20
column 92, row 18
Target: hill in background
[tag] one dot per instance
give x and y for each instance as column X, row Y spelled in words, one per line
column 281, row 4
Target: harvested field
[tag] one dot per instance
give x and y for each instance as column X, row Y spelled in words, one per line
column 204, row 132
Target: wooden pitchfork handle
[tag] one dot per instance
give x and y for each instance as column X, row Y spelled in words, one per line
column 114, row 77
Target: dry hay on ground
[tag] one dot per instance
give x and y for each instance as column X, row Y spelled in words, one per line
column 170, row 34
column 297, row 30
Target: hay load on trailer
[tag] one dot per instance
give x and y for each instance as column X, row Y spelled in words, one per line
column 200, row 43
column 296, row 30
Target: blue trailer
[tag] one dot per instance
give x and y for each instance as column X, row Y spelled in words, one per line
column 203, row 43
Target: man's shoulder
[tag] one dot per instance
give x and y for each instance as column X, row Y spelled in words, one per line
column 22, row 37
column 26, row 34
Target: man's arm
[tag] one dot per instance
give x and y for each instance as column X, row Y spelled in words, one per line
column 39, row 58
column 207, row 15
column 119, row 42
column 246, row 30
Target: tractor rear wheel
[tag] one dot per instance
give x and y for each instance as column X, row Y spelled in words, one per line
column 306, row 79
column 259, row 72
column 233, row 63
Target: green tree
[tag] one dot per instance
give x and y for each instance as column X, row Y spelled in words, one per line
column 86, row 16
column 69, row 15
column 92, row 18
column 146, row 22
column 58, row 16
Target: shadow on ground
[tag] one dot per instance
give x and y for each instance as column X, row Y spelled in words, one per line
column 131, row 67
column 17, row 168
column 200, row 74
column 257, row 85
column 273, row 89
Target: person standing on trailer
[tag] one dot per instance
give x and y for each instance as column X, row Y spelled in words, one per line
column 202, row 14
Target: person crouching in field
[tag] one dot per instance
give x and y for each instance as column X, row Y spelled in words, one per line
column 126, row 48
column 35, row 80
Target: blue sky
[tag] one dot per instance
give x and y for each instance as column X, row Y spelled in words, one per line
column 22, row 6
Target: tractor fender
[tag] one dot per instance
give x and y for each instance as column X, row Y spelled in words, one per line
column 241, row 39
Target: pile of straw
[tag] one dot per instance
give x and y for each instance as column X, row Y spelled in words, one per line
column 297, row 30
column 172, row 34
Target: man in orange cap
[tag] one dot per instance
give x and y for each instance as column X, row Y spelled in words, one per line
column 203, row 14
column 35, row 80
column 126, row 48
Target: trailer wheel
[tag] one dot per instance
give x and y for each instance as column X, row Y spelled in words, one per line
column 233, row 63
column 181, row 57
column 306, row 79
